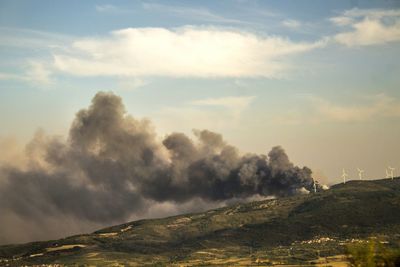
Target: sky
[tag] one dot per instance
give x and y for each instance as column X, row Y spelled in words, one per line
column 319, row 78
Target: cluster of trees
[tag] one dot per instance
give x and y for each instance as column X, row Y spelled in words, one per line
column 373, row 253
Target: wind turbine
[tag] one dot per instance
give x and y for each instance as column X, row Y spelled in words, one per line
column 391, row 172
column 315, row 186
column 360, row 173
column 344, row 176
column 387, row 173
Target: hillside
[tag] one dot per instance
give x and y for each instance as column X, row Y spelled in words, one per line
column 293, row 230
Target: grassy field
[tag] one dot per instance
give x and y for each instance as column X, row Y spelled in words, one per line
column 313, row 229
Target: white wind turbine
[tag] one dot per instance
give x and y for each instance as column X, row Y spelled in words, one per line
column 315, row 186
column 344, row 176
column 391, row 172
column 360, row 173
column 387, row 173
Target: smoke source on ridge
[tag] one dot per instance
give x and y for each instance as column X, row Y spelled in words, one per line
column 112, row 166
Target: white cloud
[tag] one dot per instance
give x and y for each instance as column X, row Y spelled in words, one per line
column 32, row 39
column 36, row 72
column 342, row 20
column 192, row 13
column 217, row 114
column 369, row 26
column 202, row 14
column 131, row 84
column 186, row 118
column 292, row 24
column 231, row 102
column 322, row 110
column 372, row 13
column 111, row 9
column 105, row 8
column 370, row 32
column 378, row 106
column 186, row 51
column 9, row 76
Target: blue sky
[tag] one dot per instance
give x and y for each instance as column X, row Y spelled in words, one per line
column 320, row 78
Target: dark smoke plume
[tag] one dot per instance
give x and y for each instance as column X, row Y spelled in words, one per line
column 112, row 166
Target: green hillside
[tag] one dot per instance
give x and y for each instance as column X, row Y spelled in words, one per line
column 303, row 229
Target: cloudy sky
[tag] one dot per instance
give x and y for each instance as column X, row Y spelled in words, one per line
column 319, row 78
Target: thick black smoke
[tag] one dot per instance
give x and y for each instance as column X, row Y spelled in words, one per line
column 113, row 166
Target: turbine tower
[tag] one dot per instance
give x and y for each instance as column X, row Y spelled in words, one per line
column 391, row 172
column 387, row 173
column 344, row 176
column 360, row 173
column 315, row 186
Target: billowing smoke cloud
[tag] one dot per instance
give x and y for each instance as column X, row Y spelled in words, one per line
column 113, row 166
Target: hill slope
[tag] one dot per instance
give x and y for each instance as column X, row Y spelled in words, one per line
column 294, row 230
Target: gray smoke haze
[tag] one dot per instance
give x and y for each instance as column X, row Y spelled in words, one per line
column 113, row 168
